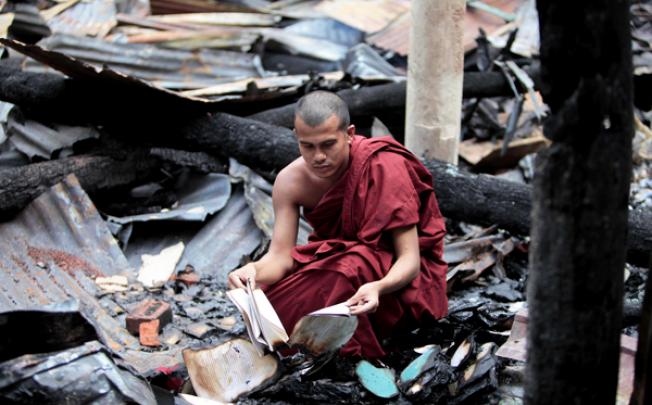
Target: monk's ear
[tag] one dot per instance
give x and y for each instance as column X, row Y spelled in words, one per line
column 350, row 131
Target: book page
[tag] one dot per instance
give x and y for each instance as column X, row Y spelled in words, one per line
column 340, row 309
column 240, row 298
column 267, row 319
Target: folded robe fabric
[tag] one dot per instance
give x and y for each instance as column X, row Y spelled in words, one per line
column 385, row 187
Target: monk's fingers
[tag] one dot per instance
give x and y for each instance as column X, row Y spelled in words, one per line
column 364, row 307
column 235, row 281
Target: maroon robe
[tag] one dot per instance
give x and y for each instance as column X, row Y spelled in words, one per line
column 385, row 187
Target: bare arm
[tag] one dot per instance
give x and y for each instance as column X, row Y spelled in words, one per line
column 275, row 264
column 403, row 271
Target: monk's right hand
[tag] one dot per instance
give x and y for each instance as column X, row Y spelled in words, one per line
column 238, row 278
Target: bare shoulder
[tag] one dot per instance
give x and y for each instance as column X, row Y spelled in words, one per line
column 290, row 181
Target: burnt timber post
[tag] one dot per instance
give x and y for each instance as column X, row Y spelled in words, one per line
column 579, row 213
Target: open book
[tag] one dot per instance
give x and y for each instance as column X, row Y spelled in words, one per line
column 263, row 324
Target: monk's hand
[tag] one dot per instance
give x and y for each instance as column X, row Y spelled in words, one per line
column 238, row 278
column 365, row 299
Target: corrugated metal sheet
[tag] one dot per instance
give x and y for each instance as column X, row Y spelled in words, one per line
column 169, row 68
column 362, row 61
column 27, row 22
column 35, row 139
column 213, row 250
column 258, row 194
column 396, row 36
column 328, row 29
column 53, row 250
column 302, row 45
column 198, row 6
column 95, row 18
column 199, row 196
column 84, row 71
column 366, row 15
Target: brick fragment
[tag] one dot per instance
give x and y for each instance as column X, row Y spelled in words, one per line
column 149, row 310
column 149, row 333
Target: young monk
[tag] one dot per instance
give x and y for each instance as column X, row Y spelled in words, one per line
column 378, row 234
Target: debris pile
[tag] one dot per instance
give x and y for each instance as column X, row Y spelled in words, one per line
column 136, row 161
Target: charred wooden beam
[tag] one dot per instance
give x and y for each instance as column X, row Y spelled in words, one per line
column 200, row 161
column 375, row 100
column 96, row 174
column 580, row 195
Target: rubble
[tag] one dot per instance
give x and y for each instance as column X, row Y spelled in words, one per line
column 184, row 93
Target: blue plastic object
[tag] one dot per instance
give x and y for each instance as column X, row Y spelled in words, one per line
column 418, row 366
column 378, row 381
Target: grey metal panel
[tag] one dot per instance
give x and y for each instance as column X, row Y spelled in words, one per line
column 200, row 196
column 53, row 250
column 328, row 29
column 35, row 139
column 169, row 68
column 258, row 194
column 214, row 249
column 220, row 246
column 95, row 18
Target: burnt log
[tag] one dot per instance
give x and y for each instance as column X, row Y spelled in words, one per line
column 580, row 210
column 96, row 174
column 378, row 100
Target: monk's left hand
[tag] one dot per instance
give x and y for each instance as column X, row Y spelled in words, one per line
column 365, row 299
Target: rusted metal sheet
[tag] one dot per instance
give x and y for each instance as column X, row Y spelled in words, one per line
column 94, row 18
column 366, row 15
column 396, row 36
column 53, row 250
column 168, row 68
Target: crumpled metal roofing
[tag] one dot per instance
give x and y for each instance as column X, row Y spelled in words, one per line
column 168, row 68
column 93, row 18
column 200, row 196
column 35, row 139
column 366, row 15
column 214, row 249
column 258, row 194
column 328, row 29
column 364, row 62
column 53, row 250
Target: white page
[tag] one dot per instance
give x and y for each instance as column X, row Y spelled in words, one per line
column 340, row 309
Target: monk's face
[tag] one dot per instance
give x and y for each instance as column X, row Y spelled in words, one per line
column 325, row 148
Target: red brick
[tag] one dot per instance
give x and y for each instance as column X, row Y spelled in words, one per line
column 149, row 310
column 149, row 333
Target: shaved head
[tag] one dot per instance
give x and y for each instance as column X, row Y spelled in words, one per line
column 316, row 107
